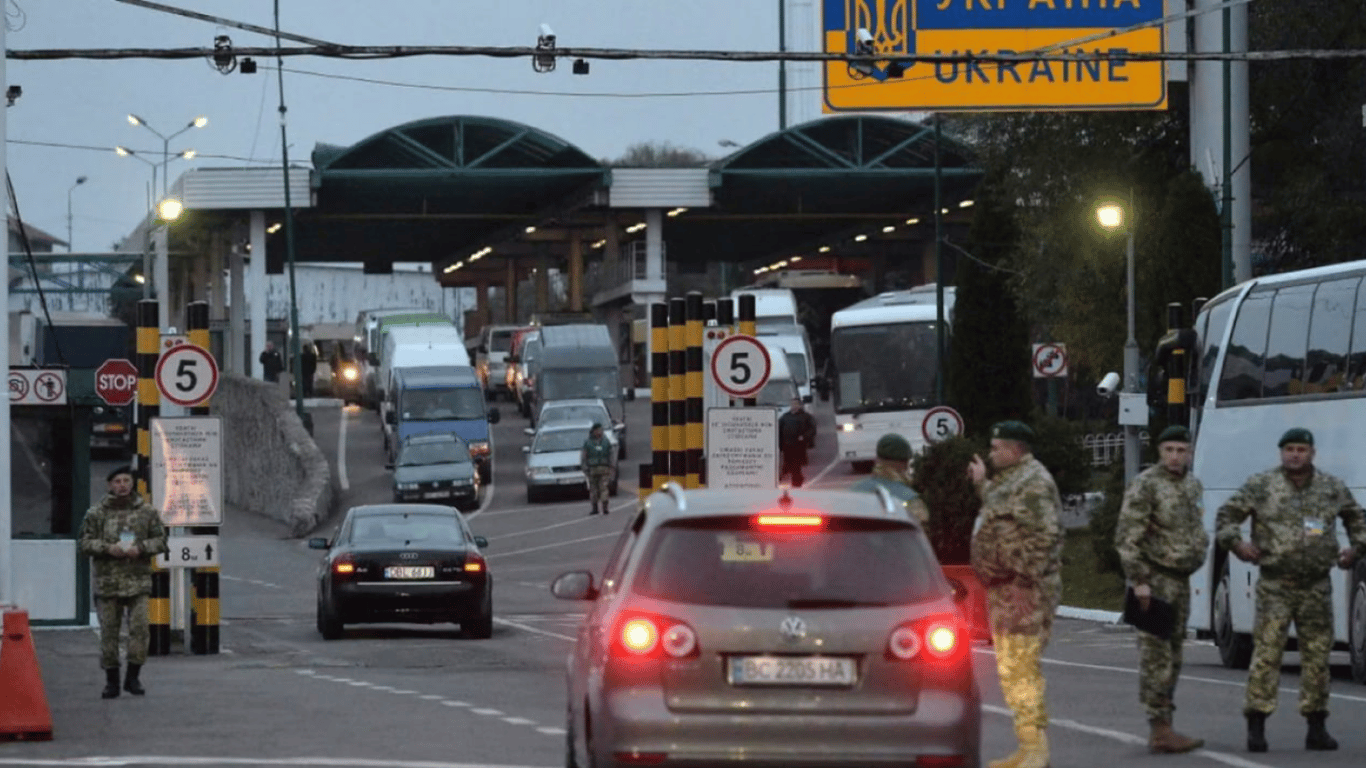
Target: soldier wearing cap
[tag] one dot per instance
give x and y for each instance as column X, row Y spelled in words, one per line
column 122, row 534
column 597, row 460
column 1017, row 553
column 1161, row 541
column 1294, row 510
column 891, row 471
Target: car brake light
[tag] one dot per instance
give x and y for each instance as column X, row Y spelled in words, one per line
column 940, row 761
column 904, row 643
column 937, row 636
column 343, row 567
column 790, row 521
column 941, row 640
column 474, row 563
column 640, row 758
column 640, row 636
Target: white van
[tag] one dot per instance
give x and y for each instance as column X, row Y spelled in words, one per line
column 419, row 345
column 796, row 351
column 775, row 309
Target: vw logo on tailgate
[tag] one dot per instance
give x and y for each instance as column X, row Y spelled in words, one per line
column 792, row 629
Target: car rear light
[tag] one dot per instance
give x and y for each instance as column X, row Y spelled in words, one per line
column 652, row 636
column 475, row 563
column 640, row 758
column 938, row 637
column 343, row 567
column 790, row 521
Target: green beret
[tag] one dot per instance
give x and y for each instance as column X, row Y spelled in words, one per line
column 1296, row 435
column 123, row 470
column 596, row 425
column 894, row 447
column 1174, row 433
column 1012, row 430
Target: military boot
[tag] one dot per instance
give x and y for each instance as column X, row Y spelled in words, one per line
column 1010, row 761
column 131, row 682
column 604, row 509
column 1034, row 749
column 1166, row 741
column 1256, row 732
column 1318, row 739
column 111, row 684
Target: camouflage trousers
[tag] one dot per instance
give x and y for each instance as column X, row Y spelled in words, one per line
column 599, row 485
column 111, row 611
column 1159, row 661
column 1018, row 662
column 1279, row 602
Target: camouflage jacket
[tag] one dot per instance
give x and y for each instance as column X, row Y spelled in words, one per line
column 1020, row 538
column 1295, row 528
column 898, row 484
column 1160, row 526
column 103, row 525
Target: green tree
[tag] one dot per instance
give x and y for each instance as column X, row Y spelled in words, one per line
column 659, row 155
column 989, row 359
column 940, row 472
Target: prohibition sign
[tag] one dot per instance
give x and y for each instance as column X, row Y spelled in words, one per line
column 941, row 422
column 18, row 386
column 741, row 366
column 1050, row 360
column 187, row 374
column 49, row 387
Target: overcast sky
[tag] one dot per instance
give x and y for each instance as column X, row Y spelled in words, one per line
column 83, row 105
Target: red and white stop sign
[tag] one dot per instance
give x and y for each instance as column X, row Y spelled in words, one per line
column 116, row 381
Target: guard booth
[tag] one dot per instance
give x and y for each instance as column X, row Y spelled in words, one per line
column 52, row 415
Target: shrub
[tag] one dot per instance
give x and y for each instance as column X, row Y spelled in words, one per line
column 1058, row 447
column 1105, row 519
column 940, row 473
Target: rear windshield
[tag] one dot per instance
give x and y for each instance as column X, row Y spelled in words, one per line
column 848, row 563
column 501, row 341
column 401, row 528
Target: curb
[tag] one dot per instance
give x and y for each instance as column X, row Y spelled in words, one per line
column 1087, row 614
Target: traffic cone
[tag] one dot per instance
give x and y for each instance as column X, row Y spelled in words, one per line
column 24, row 714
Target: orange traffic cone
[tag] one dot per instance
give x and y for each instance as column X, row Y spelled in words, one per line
column 24, row 713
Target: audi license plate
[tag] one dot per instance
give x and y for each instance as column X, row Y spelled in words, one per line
column 435, row 494
column 791, row 670
column 409, row 572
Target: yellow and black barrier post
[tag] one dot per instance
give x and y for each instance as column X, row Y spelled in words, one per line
column 659, row 394
column 748, row 326
column 678, row 399
column 693, row 426
column 204, row 606
column 149, row 406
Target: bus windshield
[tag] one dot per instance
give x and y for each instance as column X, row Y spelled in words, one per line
column 884, row 367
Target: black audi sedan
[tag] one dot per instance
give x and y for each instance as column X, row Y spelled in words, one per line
column 406, row 563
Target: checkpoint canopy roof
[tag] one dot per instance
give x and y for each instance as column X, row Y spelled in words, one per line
column 439, row 189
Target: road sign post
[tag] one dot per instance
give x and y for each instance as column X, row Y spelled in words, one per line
column 116, row 381
column 187, row 374
column 741, row 366
column 1050, row 361
column 190, row 552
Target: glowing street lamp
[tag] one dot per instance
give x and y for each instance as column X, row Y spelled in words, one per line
column 1112, row 216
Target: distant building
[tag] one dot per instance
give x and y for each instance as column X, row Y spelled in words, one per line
column 38, row 240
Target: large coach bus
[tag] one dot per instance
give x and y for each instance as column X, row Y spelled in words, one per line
column 883, row 368
column 1277, row 352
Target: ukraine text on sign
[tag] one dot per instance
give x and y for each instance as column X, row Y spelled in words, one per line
column 900, row 29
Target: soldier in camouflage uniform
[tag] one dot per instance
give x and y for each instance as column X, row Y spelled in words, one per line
column 122, row 534
column 1161, row 541
column 891, row 472
column 1017, row 553
column 1294, row 510
column 597, row 459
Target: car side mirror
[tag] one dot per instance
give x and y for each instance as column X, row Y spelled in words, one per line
column 575, row 585
column 526, row 449
column 494, row 416
column 481, row 542
column 318, row 543
column 618, row 427
column 528, row 431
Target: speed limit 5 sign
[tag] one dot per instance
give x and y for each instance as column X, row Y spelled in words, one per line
column 741, row 366
column 187, row 374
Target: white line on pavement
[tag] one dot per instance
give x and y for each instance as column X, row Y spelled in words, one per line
column 532, row 630
column 553, row 546
column 342, row 479
column 576, row 521
column 823, row 472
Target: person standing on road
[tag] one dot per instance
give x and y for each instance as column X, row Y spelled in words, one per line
column 597, row 460
column 892, row 472
column 308, row 365
column 1017, row 553
column 796, row 436
column 122, row 534
column 271, row 362
column 1294, row 510
column 1161, row 541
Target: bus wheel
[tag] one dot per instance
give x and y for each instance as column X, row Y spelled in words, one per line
column 1235, row 648
column 1356, row 624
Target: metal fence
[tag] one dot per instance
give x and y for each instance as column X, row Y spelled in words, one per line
column 1108, row 448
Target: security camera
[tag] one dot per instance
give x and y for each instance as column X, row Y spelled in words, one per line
column 13, row 93
column 1108, row 385
column 864, row 37
column 544, row 42
column 546, row 31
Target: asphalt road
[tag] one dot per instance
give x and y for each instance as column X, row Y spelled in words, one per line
column 421, row 697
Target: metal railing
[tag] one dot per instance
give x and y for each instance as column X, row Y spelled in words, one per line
column 1107, row 448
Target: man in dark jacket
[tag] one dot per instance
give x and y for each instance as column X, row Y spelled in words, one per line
column 121, row 535
column 796, row 435
column 308, row 363
column 271, row 362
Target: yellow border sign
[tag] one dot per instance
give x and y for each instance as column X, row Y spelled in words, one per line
column 894, row 30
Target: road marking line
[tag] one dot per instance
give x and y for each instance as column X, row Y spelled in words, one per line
column 342, row 479
column 576, row 521
column 486, row 711
column 402, row 692
column 451, row 703
column 1131, row 739
column 532, row 630
column 518, row 721
column 823, row 472
column 431, row 697
column 552, row 546
column 552, row 731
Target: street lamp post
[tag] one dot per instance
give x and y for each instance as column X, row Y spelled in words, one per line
column 198, row 122
column 152, row 204
column 79, row 181
column 1113, row 216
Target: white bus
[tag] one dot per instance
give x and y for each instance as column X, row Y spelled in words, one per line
column 883, row 369
column 1277, row 352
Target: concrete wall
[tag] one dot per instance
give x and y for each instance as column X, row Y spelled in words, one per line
column 273, row 467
